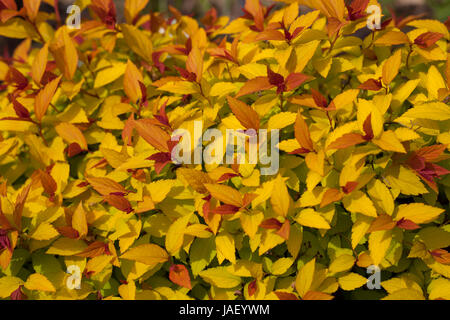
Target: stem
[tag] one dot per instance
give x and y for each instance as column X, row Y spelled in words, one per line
column 281, row 101
column 229, row 72
column 41, row 135
column 409, row 55
column 329, row 119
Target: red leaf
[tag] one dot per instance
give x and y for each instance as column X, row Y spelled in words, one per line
column 319, row 99
column 73, row 149
column 285, row 295
column 68, row 232
column 271, row 223
column 20, row 110
column 371, row 84
column 180, row 275
column 407, row 224
column 349, row 186
column 227, row 176
column 226, row 209
column 357, row 9
column 427, row 39
column 367, row 126
column 252, row 286
column 253, row 85
column 294, row 80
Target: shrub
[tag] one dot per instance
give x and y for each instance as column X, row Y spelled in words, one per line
column 88, row 121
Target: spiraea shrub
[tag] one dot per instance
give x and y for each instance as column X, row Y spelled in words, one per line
column 93, row 205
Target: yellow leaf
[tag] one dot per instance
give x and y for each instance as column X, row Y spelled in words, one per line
column 432, row 111
column 133, row 8
column 405, row 294
column 175, row 234
column 391, row 67
column 389, row 142
column 359, row 228
column 379, row 242
column 392, row 38
column 357, row 201
column 351, row 281
column 281, row 120
column 344, row 262
column 109, row 74
column 149, row 254
column 220, row 277
column 310, row 218
column 381, row 196
column 281, row 265
column 8, row 285
column 138, row 40
column 79, row 221
column 37, row 281
column 66, row 247
column 280, row 199
column 250, row 222
column 418, row 212
column 225, row 247
column 45, row 231
column 305, row 278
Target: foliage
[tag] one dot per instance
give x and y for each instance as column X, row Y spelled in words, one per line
column 86, row 120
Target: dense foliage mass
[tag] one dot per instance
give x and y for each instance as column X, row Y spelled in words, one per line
column 88, row 186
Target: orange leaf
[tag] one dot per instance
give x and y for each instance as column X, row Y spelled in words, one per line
column 330, row 196
column 118, row 202
column 31, row 8
column 382, row 222
column 315, row 295
column 154, row 135
column 39, row 64
column 106, row 186
column 131, row 81
column 270, row 35
column 244, row 113
column 180, row 275
column 44, row 97
column 48, row 183
column 194, row 63
column 71, row 134
column 284, row 230
column 225, row 194
column 302, row 133
column 285, row 295
column 65, row 53
column 96, row 248
column 432, row 152
column 347, row 140
column 253, row 85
